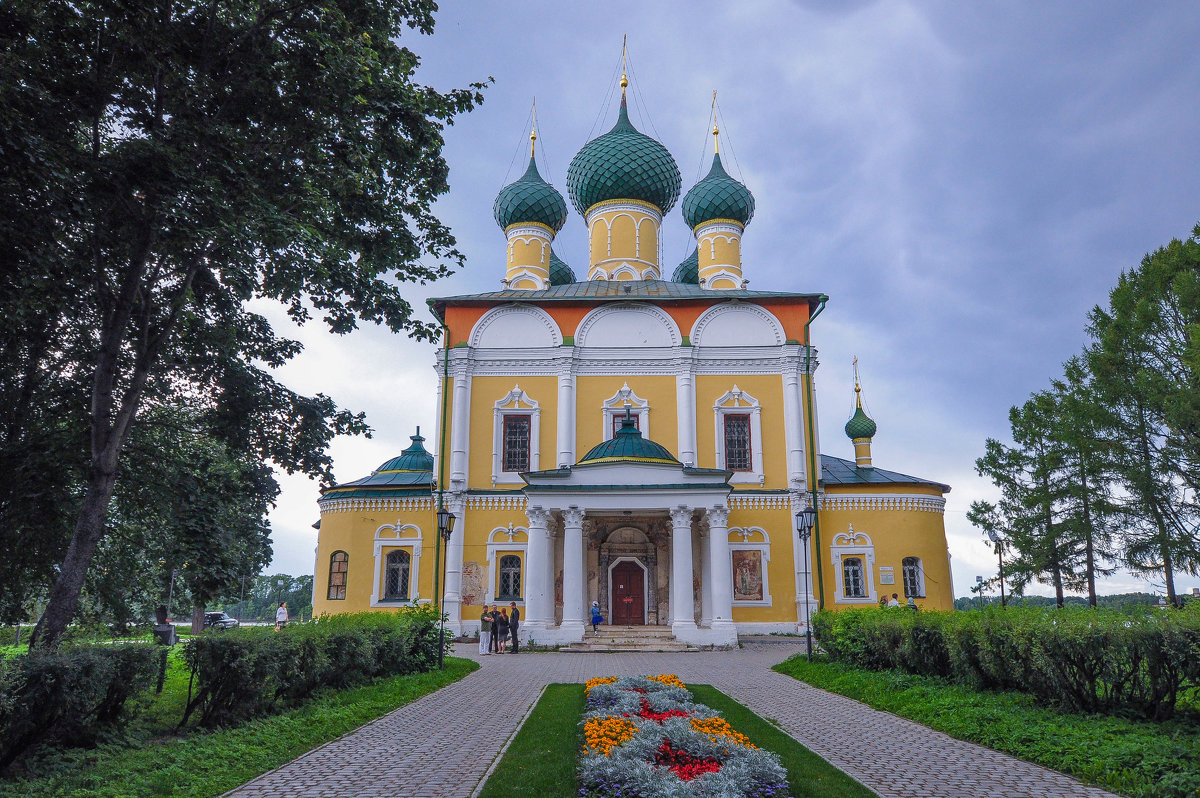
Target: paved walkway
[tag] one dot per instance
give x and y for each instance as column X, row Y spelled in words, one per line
column 445, row 743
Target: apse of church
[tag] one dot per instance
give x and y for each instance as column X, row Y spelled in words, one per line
column 641, row 438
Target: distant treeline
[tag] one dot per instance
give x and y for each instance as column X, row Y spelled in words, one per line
column 263, row 594
column 1116, row 601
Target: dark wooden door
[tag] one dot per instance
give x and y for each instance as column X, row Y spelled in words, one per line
column 629, row 595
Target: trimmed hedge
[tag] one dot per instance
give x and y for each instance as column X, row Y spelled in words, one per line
column 1085, row 661
column 69, row 696
column 243, row 673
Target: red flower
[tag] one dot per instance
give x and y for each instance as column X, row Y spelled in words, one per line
column 658, row 717
column 683, row 764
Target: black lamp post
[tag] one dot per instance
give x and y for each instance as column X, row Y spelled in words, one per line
column 805, row 519
column 445, row 525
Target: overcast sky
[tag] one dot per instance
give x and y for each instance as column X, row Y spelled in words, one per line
column 964, row 180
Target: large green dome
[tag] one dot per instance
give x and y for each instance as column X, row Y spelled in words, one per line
column 718, row 196
column 530, row 199
column 628, row 444
column 560, row 272
column 414, row 458
column 623, row 164
column 860, row 425
column 689, row 270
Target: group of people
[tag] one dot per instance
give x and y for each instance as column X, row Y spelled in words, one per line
column 497, row 626
column 894, row 601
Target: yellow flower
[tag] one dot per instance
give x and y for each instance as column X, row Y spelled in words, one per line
column 601, row 735
column 669, row 679
column 717, row 728
column 599, row 680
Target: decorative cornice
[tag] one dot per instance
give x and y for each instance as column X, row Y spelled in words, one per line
column 627, row 205
column 884, row 501
column 399, row 504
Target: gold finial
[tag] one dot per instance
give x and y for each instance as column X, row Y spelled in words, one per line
column 624, row 79
column 857, row 387
column 533, row 131
column 716, row 130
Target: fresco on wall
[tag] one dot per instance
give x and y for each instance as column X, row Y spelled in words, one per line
column 747, row 575
column 472, row 583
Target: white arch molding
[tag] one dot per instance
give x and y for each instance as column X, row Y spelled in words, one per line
column 737, row 324
column 510, row 539
column 388, row 538
column 627, row 326
column 513, row 327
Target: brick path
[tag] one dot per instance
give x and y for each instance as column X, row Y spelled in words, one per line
column 445, row 743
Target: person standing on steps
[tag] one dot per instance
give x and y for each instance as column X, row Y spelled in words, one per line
column 597, row 618
column 485, row 631
column 514, row 623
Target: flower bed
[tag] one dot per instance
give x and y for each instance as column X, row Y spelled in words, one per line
column 646, row 737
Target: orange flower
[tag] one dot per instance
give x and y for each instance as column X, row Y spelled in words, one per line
column 717, row 728
column 669, row 679
column 599, row 680
column 601, row 735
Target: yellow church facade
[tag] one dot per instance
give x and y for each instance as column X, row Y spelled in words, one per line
column 633, row 440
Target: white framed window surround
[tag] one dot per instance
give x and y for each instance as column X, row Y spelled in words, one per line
column 849, row 546
column 515, row 403
column 913, row 573
column 614, row 411
column 503, row 541
column 749, row 556
column 390, row 538
column 737, row 402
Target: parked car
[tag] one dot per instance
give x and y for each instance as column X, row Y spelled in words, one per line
column 219, row 620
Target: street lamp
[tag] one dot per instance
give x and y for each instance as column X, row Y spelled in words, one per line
column 999, row 543
column 445, row 525
column 805, row 520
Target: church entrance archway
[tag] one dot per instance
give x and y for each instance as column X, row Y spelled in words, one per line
column 628, row 580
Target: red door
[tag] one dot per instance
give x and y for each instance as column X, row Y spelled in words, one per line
column 629, row 594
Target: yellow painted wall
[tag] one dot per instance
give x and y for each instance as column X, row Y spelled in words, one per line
column 623, row 235
column 592, row 392
column 781, row 580
column 477, row 526
column 485, row 392
column 719, row 249
column 768, row 390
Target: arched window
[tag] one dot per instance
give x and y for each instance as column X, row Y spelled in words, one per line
column 853, row 584
column 338, row 563
column 914, row 577
column 396, row 569
column 510, row 578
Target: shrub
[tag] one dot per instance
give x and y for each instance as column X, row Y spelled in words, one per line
column 69, row 696
column 1084, row 661
column 243, row 673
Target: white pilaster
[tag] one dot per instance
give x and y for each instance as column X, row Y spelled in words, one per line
column 683, row 612
column 573, row 573
column 722, row 626
column 705, row 580
column 536, row 589
column 460, row 425
column 685, row 399
column 566, row 416
column 456, row 504
column 793, row 425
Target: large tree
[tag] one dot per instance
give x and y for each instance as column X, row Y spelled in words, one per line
column 196, row 155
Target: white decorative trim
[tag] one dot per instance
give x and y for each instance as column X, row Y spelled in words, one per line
column 913, row 502
column 659, row 315
column 725, row 308
column 511, row 500
column 614, row 407
column 403, row 536
column 523, row 405
column 853, row 544
column 735, row 401
column 625, row 208
column 728, row 229
column 752, row 538
column 494, row 546
column 402, row 504
column 540, row 281
column 619, row 361
column 487, row 319
column 759, row 501
column 710, row 282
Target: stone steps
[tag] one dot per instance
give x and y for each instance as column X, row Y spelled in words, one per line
column 629, row 639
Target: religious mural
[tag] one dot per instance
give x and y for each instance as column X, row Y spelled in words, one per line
column 747, row 575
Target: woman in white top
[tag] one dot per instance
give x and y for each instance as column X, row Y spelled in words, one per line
column 281, row 616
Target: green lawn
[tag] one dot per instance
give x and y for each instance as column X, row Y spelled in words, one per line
column 541, row 759
column 1133, row 757
column 162, row 763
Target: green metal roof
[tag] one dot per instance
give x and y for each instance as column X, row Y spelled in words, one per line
column 860, row 425
column 560, row 272
column 624, row 291
column 372, row 493
column 623, row 164
column 689, row 270
column 718, row 196
column 837, row 471
column 412, row 468
column 628, row 444
column 530, row 199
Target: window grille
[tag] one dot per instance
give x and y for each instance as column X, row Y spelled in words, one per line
column 510, row 578
column 516, row 443
column 913, row 584
column 338, row 563
column 737, row 443
column 396, row 570
column 853, row 585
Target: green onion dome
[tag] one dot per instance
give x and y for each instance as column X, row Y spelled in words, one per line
column 718, row 196
column 560, row 272
column 628, row 444
column 530, row 199
column 623, row 164
column 689, row 270
column 860, row 425
column 414, row 458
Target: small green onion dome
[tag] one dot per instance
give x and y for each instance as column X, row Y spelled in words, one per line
column 530, row 199
column 560, row 272
column 718, row 196
column 860, row 425
column 689, row 270
column 414, row 458
column 623, row 164
column 628, row 444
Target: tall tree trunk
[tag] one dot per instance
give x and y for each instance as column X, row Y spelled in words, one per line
column 197, row 618
column 1168, row 567
column 1088, row 547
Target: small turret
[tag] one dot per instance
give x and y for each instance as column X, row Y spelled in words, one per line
column 860, row 429
column 531, row 212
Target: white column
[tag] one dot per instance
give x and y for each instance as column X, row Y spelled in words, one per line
column 460, row 426
column 573, row 573
column 723, row 630
column 456, row 504
column 536, row 555
column 793, row 426
column 683, row 611
column 705, row 580
column 685, row 400
column 566, row 417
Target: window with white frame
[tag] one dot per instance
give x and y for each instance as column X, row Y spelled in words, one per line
column 853, row 584
column 914, row 577
column 852, row 555
column 616, row 406
column 504, row 545
column 338, row 564
column 397, row 562
column 396, row 572
column 509, row 588
column 515, row 437
column 738, row 433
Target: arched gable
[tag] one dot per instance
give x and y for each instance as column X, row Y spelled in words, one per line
column 632, row 325
column 515, row 325
column 737, row 325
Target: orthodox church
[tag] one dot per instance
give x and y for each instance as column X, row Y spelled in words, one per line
column 634, row 439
